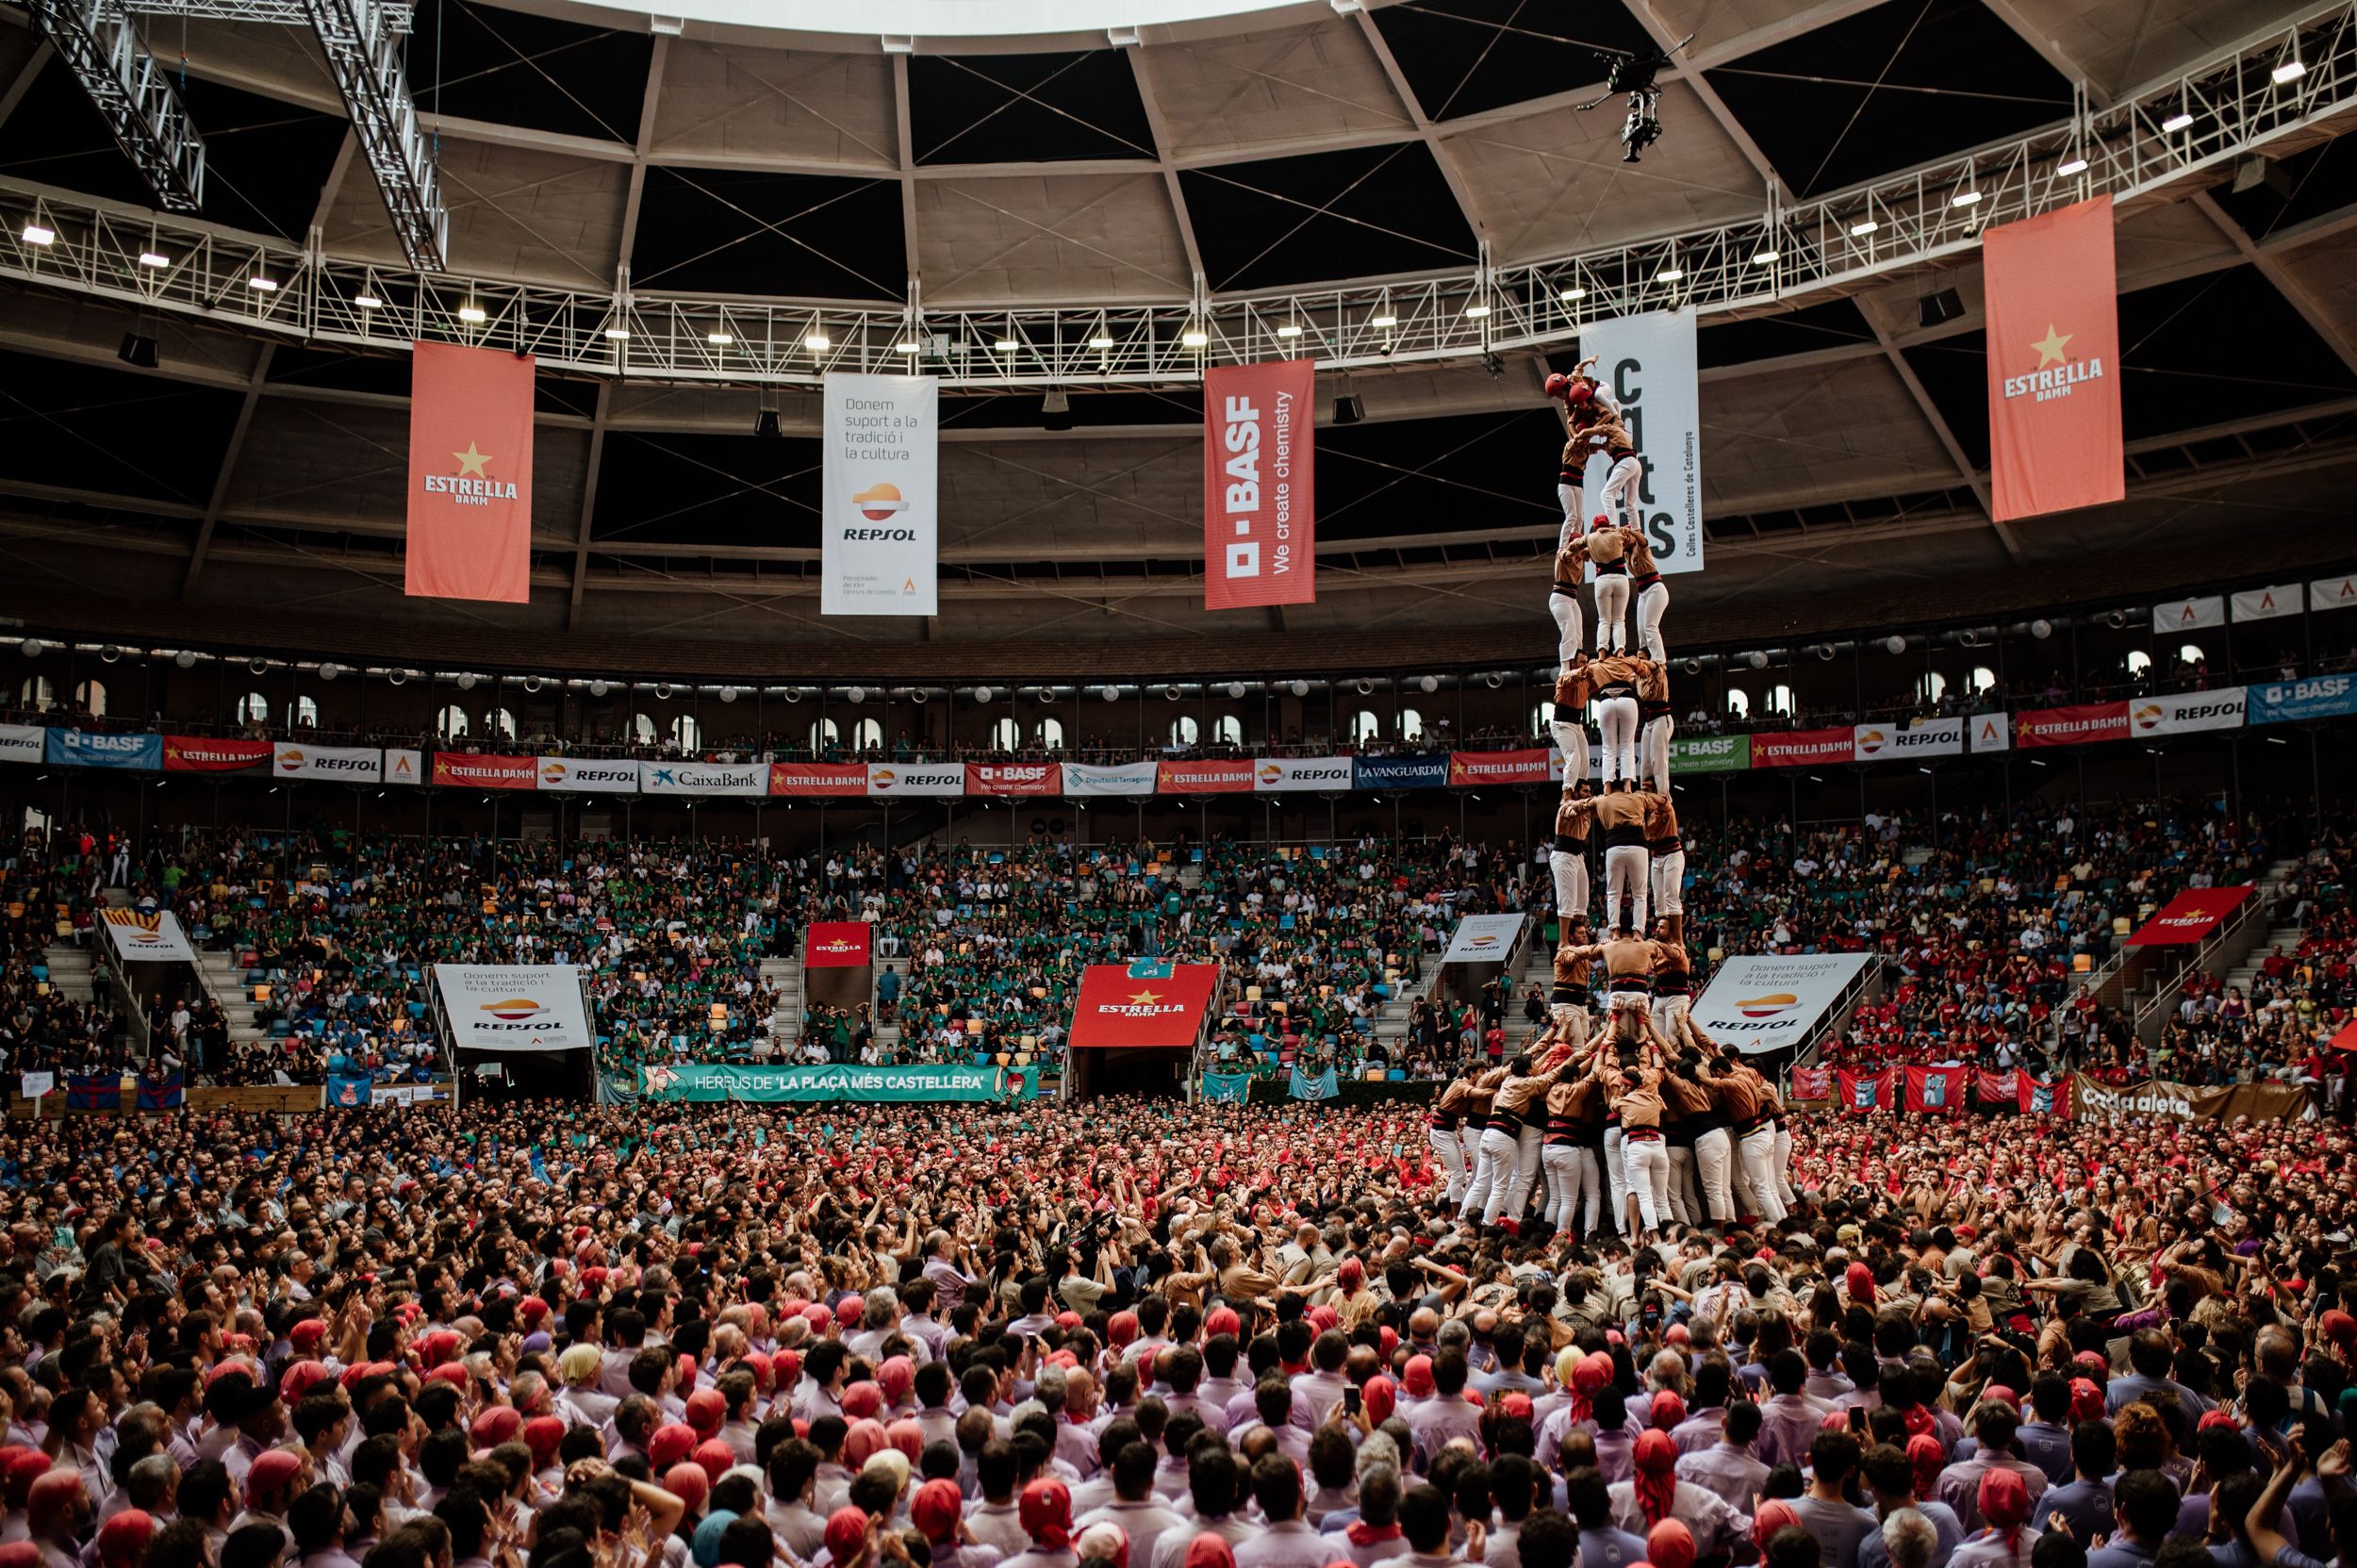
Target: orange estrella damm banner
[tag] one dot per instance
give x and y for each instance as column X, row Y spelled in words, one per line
column 470, row 474
column 2053, row 362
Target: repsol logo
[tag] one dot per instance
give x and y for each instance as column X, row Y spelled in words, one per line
column 903, row 535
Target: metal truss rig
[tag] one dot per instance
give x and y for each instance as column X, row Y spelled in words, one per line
column 2274, row 92
column 100, row 40
column 101, row 46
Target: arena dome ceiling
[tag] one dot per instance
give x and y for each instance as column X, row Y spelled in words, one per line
column 1251, row 162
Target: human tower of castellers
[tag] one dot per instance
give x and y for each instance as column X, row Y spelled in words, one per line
column 1622, row 1092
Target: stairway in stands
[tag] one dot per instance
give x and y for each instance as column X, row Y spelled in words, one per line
column 2284, row 937
column 783, row 976
column 224, row 979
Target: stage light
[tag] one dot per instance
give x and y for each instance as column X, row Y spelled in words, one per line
column 1574, row 292
column 817, row 341
column 154, row 258
column 2290, row 71
column 1476, row 312
column 2041, row 629
column 1863, row 227
column 1235, row 690
column 617, row 335
column 266, row 285
column 1428, row 684
column 329, row 670
column 982, row 694
column 184, row 659
column 32, row 648
column 137, row 349
column 370, row 302
column 1385, row 320
column 1005, row 345
column 1288, row 329
column 908, row 345
column 1194, row 337
column 598, row 688
column 38, row 234
column 1299, row 689
column 855, row 695
column 719, row 339
column 1100, row 342
column 728, row 694
column 1895, row 643
column 2076, row 164
column 1965, row 198
column 474, row 314
column 1765, row 258
column 2180, row 121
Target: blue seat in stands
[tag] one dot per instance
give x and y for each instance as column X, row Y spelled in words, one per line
column 1396, row 1074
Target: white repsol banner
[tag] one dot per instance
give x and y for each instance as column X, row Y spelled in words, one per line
column 1301, row 773
column 1128, row 778
column 704, row 778
column 595, row 775
column 1482, row 940
column 879, row 528
column 915, row 778
column 515, row 1006
column 150, row 936
column 1930, row 738
column 23, row 743
column 2186, row 712
column 1766, row 1002
column 298, row 759
column 1647, row 362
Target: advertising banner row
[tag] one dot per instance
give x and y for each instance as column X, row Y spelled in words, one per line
column 1952, row 1089
column 2084, row 724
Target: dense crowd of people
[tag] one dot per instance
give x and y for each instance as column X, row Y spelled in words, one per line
column 1131, row 1334
column 1990, row 924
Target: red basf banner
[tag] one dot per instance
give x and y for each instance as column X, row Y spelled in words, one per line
column 2053, row 362
column 1936, row 1091
column 835, row 945
column 2189, row 917
column 1803, row 748
column 818, row 778
column 1210, row 776
column 204, row 754
column 470, row 474
column 2076, row 725
column 477, row 773
column 1259, row 539
column 1146, row 1003
column 1014, row 778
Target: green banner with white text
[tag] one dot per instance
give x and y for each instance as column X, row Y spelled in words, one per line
column 1709, row 754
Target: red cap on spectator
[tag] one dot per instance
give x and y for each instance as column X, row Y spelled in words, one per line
column 689, row 1484
column 671, row 1442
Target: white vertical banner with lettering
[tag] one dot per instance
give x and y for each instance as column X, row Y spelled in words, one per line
column 1647, row 363
column 879, row 531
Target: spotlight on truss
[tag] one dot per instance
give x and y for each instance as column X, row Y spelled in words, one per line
column 1636, row 75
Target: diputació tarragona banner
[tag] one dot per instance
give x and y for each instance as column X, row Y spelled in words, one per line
column 1260, row 510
